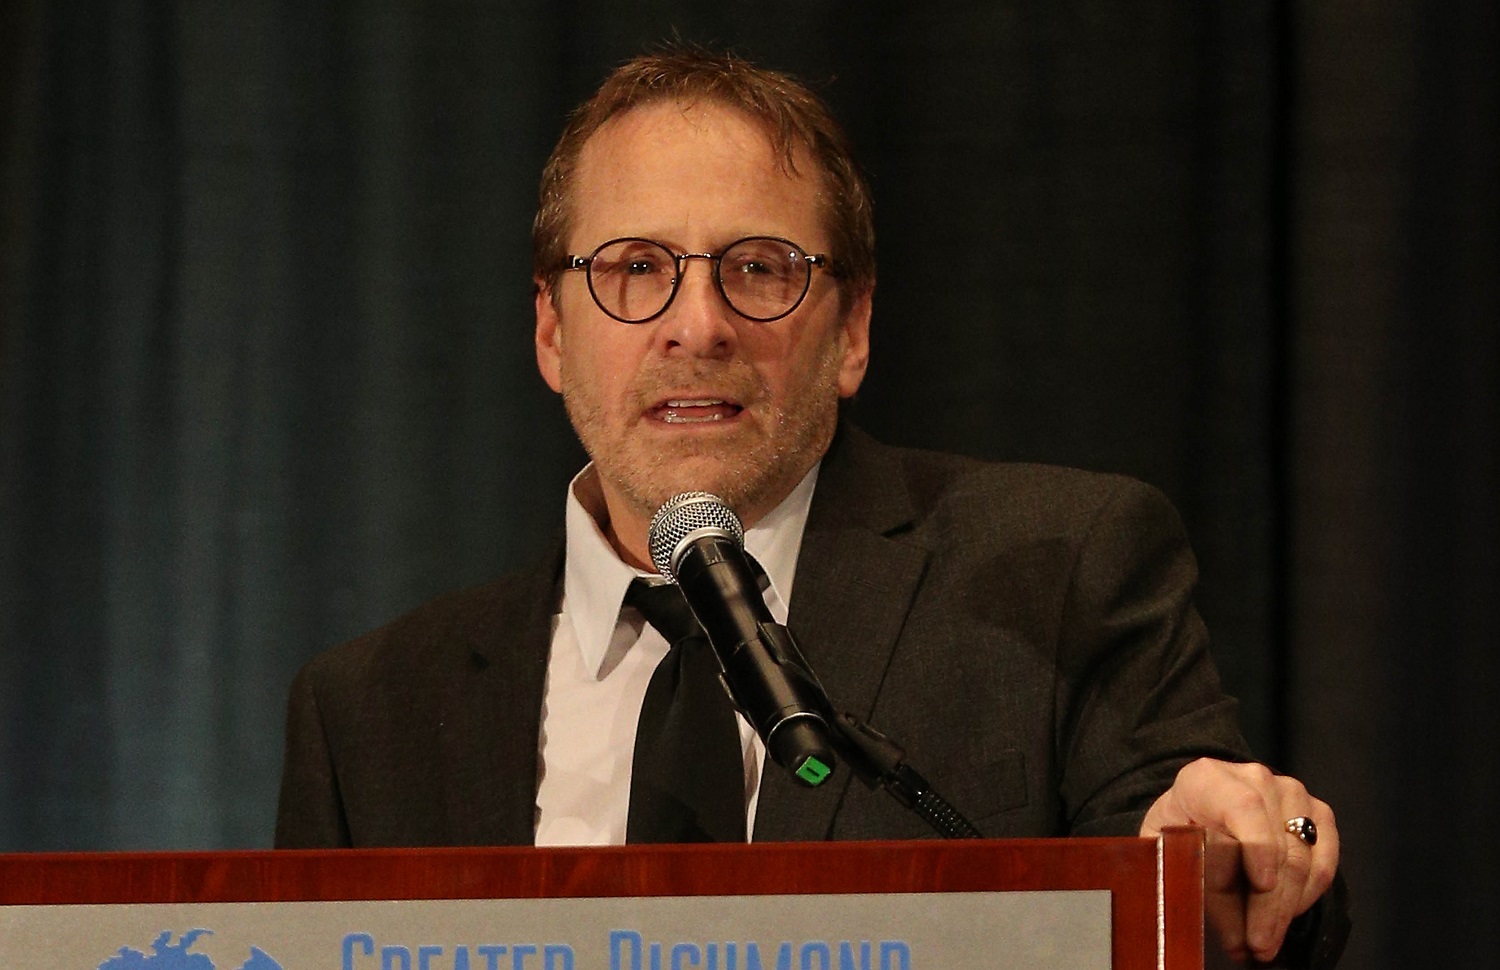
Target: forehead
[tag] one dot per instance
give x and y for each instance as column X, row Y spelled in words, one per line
column 692, row 174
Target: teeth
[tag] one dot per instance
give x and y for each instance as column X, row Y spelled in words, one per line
column 672, row 417
column 701, row 403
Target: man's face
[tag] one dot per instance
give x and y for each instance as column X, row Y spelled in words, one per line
column 700, row 397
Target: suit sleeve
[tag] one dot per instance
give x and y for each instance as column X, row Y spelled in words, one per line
column 1139, row 696
column 310, row 812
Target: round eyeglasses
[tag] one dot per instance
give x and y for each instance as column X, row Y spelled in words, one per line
column 762, row 278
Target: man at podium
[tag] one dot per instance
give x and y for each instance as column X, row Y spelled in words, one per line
column 704, row 264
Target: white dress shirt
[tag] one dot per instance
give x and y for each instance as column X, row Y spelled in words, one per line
column 601, row 662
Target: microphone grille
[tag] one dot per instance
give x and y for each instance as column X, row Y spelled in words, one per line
column 685, row 516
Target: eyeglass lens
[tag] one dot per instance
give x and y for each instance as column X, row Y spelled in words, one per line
column 761, row 278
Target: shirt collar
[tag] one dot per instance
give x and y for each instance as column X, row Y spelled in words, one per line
column 595, row 578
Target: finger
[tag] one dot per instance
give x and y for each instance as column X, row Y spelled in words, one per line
column 1249, row 809
column 1267, row 916
column 1325, row 855
column 1231, row 799
column 1310, row 867
column 1224, row 897
column 1269, row 913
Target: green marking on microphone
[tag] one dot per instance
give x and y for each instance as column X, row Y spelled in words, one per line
column 813, row 771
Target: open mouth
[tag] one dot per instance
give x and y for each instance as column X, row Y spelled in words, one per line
column 695, row 410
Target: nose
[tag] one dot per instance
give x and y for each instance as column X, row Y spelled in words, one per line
column 698, row 323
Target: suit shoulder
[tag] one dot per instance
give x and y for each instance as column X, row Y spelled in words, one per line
column 973, row 494
column 446, row 630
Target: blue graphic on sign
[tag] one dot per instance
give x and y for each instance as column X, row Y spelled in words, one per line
column 167, row 955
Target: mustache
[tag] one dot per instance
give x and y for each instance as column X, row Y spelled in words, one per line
column 733, row 380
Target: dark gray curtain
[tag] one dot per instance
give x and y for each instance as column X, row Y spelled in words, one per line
column 266, row 375
column 1393, row 446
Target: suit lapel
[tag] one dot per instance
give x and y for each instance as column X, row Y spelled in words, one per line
column 489, row 749
column 855, row 584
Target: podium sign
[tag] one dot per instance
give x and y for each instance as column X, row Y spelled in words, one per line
column 1084, row 904
column 898, row 931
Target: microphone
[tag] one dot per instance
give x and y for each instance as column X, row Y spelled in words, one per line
column 697, row 542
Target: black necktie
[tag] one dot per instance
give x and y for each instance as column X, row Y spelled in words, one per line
column 687, row 781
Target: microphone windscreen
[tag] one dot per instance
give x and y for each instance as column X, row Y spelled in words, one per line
column 683, row 518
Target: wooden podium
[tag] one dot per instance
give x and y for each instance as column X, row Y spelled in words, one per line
column 1153, row 913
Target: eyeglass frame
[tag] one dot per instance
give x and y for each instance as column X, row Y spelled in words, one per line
column 821, row 261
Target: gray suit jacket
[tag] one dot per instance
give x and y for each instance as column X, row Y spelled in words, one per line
column 1026, row 632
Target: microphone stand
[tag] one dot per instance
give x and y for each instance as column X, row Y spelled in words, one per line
column 805, row 738
column 880, row 762
column 875, row 758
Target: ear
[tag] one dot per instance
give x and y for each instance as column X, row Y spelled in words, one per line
column 855, row 332
column 548, row 338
